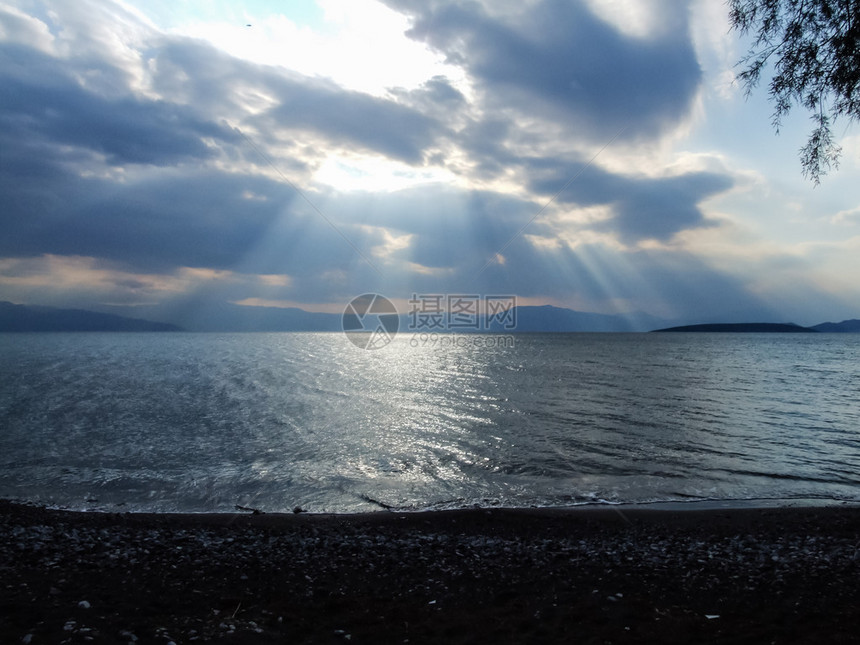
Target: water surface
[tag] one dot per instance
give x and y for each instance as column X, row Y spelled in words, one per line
column 202, row 422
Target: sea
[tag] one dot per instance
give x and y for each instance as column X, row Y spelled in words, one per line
column 189, row 422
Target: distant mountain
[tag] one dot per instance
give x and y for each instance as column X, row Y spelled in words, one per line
column 780, row 328
column 22, row 318
column 845, row 327
column 240, row 318
column 528, row 319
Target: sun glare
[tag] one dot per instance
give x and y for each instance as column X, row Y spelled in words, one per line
column 361, row 44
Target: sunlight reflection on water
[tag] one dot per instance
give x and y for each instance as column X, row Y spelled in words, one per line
column 203, row 422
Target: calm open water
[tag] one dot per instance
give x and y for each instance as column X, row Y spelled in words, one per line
column 202, row 422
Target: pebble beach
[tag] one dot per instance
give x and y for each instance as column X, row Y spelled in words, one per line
column 774, row 575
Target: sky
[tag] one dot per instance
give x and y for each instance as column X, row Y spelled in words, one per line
column 164, row 157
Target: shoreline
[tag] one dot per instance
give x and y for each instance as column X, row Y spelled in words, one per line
column 685, row 505
column 460, row 576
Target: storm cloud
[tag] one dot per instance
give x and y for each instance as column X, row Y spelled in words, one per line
column 560, row 60
column 642, row 207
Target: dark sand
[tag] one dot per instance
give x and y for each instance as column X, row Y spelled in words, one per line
column 474, row 576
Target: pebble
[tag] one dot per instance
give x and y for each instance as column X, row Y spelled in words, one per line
column 84, row 545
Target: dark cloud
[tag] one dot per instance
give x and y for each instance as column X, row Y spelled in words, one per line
column 436, row 96
column 352, row 117
column 643, row 207
column 66, row 148
column 125, row 130
column 195, row 219
column 44, row 101
column 486, row 142
column 660, row 208
column 190, row 218
column 204, row 76
column 558, row 59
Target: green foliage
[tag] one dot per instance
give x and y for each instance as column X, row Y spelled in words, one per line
column 812, row 48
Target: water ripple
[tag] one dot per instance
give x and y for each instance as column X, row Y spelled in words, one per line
column 203, row 422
